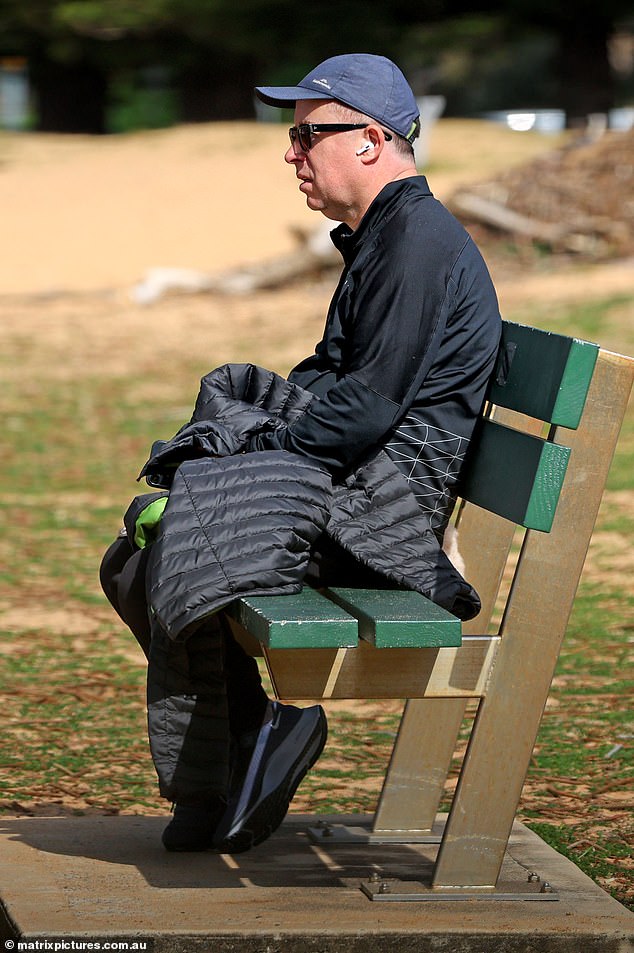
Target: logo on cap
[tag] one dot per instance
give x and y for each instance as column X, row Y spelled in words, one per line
column 322, row 82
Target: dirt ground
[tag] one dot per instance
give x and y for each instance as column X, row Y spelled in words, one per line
column 91, row 216
column 84, row 220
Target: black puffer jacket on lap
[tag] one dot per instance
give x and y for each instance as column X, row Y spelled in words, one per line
column 240, row 523
column 233, row 526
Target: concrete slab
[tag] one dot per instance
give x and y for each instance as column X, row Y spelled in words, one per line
column 108, row 879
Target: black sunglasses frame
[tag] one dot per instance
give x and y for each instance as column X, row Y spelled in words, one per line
column 303, row 133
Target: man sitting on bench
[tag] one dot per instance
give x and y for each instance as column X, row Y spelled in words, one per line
column 410, row 341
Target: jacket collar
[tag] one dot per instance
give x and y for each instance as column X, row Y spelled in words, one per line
column 388, row 201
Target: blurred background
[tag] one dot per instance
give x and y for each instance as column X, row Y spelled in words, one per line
column 103, row 66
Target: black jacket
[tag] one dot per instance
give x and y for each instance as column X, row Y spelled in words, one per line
column 409, row 344
column 241, row 523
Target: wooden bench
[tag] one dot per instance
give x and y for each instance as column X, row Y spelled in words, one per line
column 531, row 491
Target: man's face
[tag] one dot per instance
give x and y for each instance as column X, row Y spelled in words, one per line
column 328, row 172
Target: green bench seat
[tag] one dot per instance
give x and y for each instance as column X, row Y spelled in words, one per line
column 338, row 618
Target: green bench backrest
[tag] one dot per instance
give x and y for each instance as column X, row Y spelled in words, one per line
column 543, row 375
column 519, row 475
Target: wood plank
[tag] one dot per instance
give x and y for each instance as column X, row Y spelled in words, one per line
column 543, row 375
column 302, row 620
column 391, row 618
column 517, row 475
column 368, row 672
column 423, row 751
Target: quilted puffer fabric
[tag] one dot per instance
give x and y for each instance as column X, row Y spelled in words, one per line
column 243, row 523
column 232, row 526
column 251, row 388
column 235, row 402
column 376, row 518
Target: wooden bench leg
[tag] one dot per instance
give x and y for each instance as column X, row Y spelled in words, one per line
column 429, row 728
column 508, row 719
column 419, row 766
column 428, row 733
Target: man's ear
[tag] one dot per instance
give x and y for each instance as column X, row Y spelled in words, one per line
column 373, row 142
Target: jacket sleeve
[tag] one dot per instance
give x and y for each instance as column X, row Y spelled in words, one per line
column 392, row 326
column 338, row 429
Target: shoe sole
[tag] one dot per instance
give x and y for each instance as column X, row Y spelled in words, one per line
column 192, row 837
column 271, row 811
column 191, row 845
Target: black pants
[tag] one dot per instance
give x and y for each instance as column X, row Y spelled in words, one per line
column 205, row 691
column 202, row 691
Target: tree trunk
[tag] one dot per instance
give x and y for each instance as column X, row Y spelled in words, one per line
column 586, row 83
column 215, row 87
column 68, row 97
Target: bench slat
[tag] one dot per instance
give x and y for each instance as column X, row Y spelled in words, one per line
column 394, row 619
column 517, row 475
column 302, row 620
column 543, row 375
column 368, row 672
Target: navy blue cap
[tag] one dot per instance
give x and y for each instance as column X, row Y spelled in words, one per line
column 371, row 84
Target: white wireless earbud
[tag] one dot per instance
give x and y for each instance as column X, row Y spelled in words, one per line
column 364, row 148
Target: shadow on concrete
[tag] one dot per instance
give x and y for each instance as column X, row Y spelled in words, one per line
column 287, row 859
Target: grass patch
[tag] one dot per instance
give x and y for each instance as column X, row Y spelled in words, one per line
column 606, row 321
column 609, row 863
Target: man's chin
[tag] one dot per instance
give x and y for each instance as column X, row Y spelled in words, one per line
column 314, row 204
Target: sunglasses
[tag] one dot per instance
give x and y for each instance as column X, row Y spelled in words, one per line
column 306, row 130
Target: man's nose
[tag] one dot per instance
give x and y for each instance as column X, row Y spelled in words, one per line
column 294, row 154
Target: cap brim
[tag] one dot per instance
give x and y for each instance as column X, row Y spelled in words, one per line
column 287, row 96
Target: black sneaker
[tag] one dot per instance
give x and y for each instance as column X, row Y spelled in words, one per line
column 193, row 828
column 287, row 745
